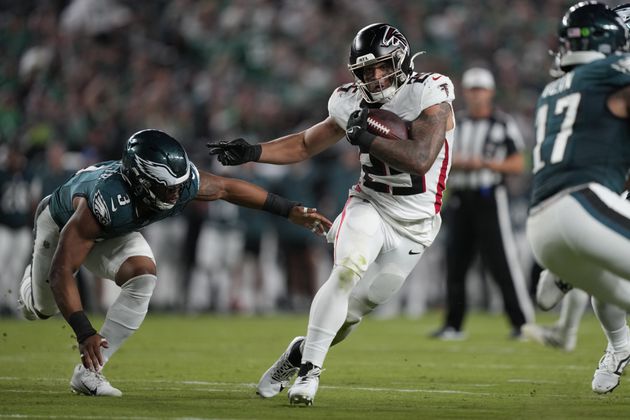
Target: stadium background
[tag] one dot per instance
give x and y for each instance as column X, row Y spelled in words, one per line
column 78, row 77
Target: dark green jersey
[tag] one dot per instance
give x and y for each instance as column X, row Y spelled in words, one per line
column 578, row 139
column 109, row 198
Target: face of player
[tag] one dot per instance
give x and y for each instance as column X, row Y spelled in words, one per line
column 168, row 195
column 378, row 77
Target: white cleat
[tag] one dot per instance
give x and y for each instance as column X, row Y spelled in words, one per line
column 25, row 295
column 608, row 373
column 551, row 336
column 278, row 376
column 550, row 290
column 87, row 382
column 305, row 387
column 448, row 334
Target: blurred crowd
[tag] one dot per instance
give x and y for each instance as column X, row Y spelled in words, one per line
column 78, row 77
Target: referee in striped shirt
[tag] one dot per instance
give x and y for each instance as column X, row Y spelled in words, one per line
column 487, row 146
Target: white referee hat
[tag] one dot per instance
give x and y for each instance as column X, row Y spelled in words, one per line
column 477, row 77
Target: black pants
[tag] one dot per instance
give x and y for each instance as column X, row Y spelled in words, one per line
column 473, row 227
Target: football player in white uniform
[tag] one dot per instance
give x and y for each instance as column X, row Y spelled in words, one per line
column 393, row 212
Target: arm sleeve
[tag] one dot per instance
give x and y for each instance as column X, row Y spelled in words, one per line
column 338, row 109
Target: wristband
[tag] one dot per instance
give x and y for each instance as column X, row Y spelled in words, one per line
column 278, row 205
column 81, row 325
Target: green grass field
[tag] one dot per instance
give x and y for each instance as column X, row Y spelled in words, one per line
column 207, row 367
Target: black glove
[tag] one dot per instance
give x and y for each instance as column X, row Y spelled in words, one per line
column 235, row 152
column 356, row 130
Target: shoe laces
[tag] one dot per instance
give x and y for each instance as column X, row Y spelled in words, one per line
column 94, row 379
column 614, row 362
column 283, row 369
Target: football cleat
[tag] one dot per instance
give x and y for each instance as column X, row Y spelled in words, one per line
column 550, row 290
column 608, row 374
column 278, row 376
column 305, row 387
column 25, row 295
column 551, row 336
column 448, row 334
column 87, row 382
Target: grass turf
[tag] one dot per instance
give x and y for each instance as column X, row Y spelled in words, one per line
column 207, row 367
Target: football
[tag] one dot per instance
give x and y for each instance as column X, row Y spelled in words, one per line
column 386, row 124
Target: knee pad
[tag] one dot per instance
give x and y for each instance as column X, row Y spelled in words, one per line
column 132, row 304
column 355, row 262
column 346, row 277
column 384, row 287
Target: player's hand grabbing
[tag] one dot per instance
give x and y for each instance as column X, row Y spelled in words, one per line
column 235, row 152
column 310, row 219
column 357, row 132
column 90, row 350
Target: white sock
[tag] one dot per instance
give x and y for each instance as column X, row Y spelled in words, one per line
column 573, row 308
column 613, row 321
column 328, row 313
column 126, row 314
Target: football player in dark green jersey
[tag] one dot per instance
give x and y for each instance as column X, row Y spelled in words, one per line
column 551, row 290
column 93, row 220
column 579, row 225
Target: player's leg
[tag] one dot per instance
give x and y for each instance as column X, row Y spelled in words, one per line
column 461, row 243
column 563, row 334
column 359, row 239
column 129, row 261
column 36, row 300
column 562, row 238
column 380, row 283
column 597, row 231
column 617, row 354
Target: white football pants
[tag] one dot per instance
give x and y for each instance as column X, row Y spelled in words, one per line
column 583, row 236
column 371, row 263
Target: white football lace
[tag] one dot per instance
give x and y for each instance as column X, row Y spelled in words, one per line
column 283, row 371
column 378, row 126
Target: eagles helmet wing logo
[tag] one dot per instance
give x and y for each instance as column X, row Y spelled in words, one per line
column 161, row 173
column 100, row 209
column 393, row 36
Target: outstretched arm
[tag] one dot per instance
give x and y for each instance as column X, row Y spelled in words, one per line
column 75, row 242
column 284, row 150
column 301, row 146
column 242, row 193
column 428, row 132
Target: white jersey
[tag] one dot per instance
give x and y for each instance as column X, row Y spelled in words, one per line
column 400, row 197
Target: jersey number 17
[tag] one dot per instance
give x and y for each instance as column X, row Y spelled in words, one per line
column 567, row 105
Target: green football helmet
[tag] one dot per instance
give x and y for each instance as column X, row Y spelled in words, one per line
column 590, row 31
column 156, row 168
column 623, row 10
